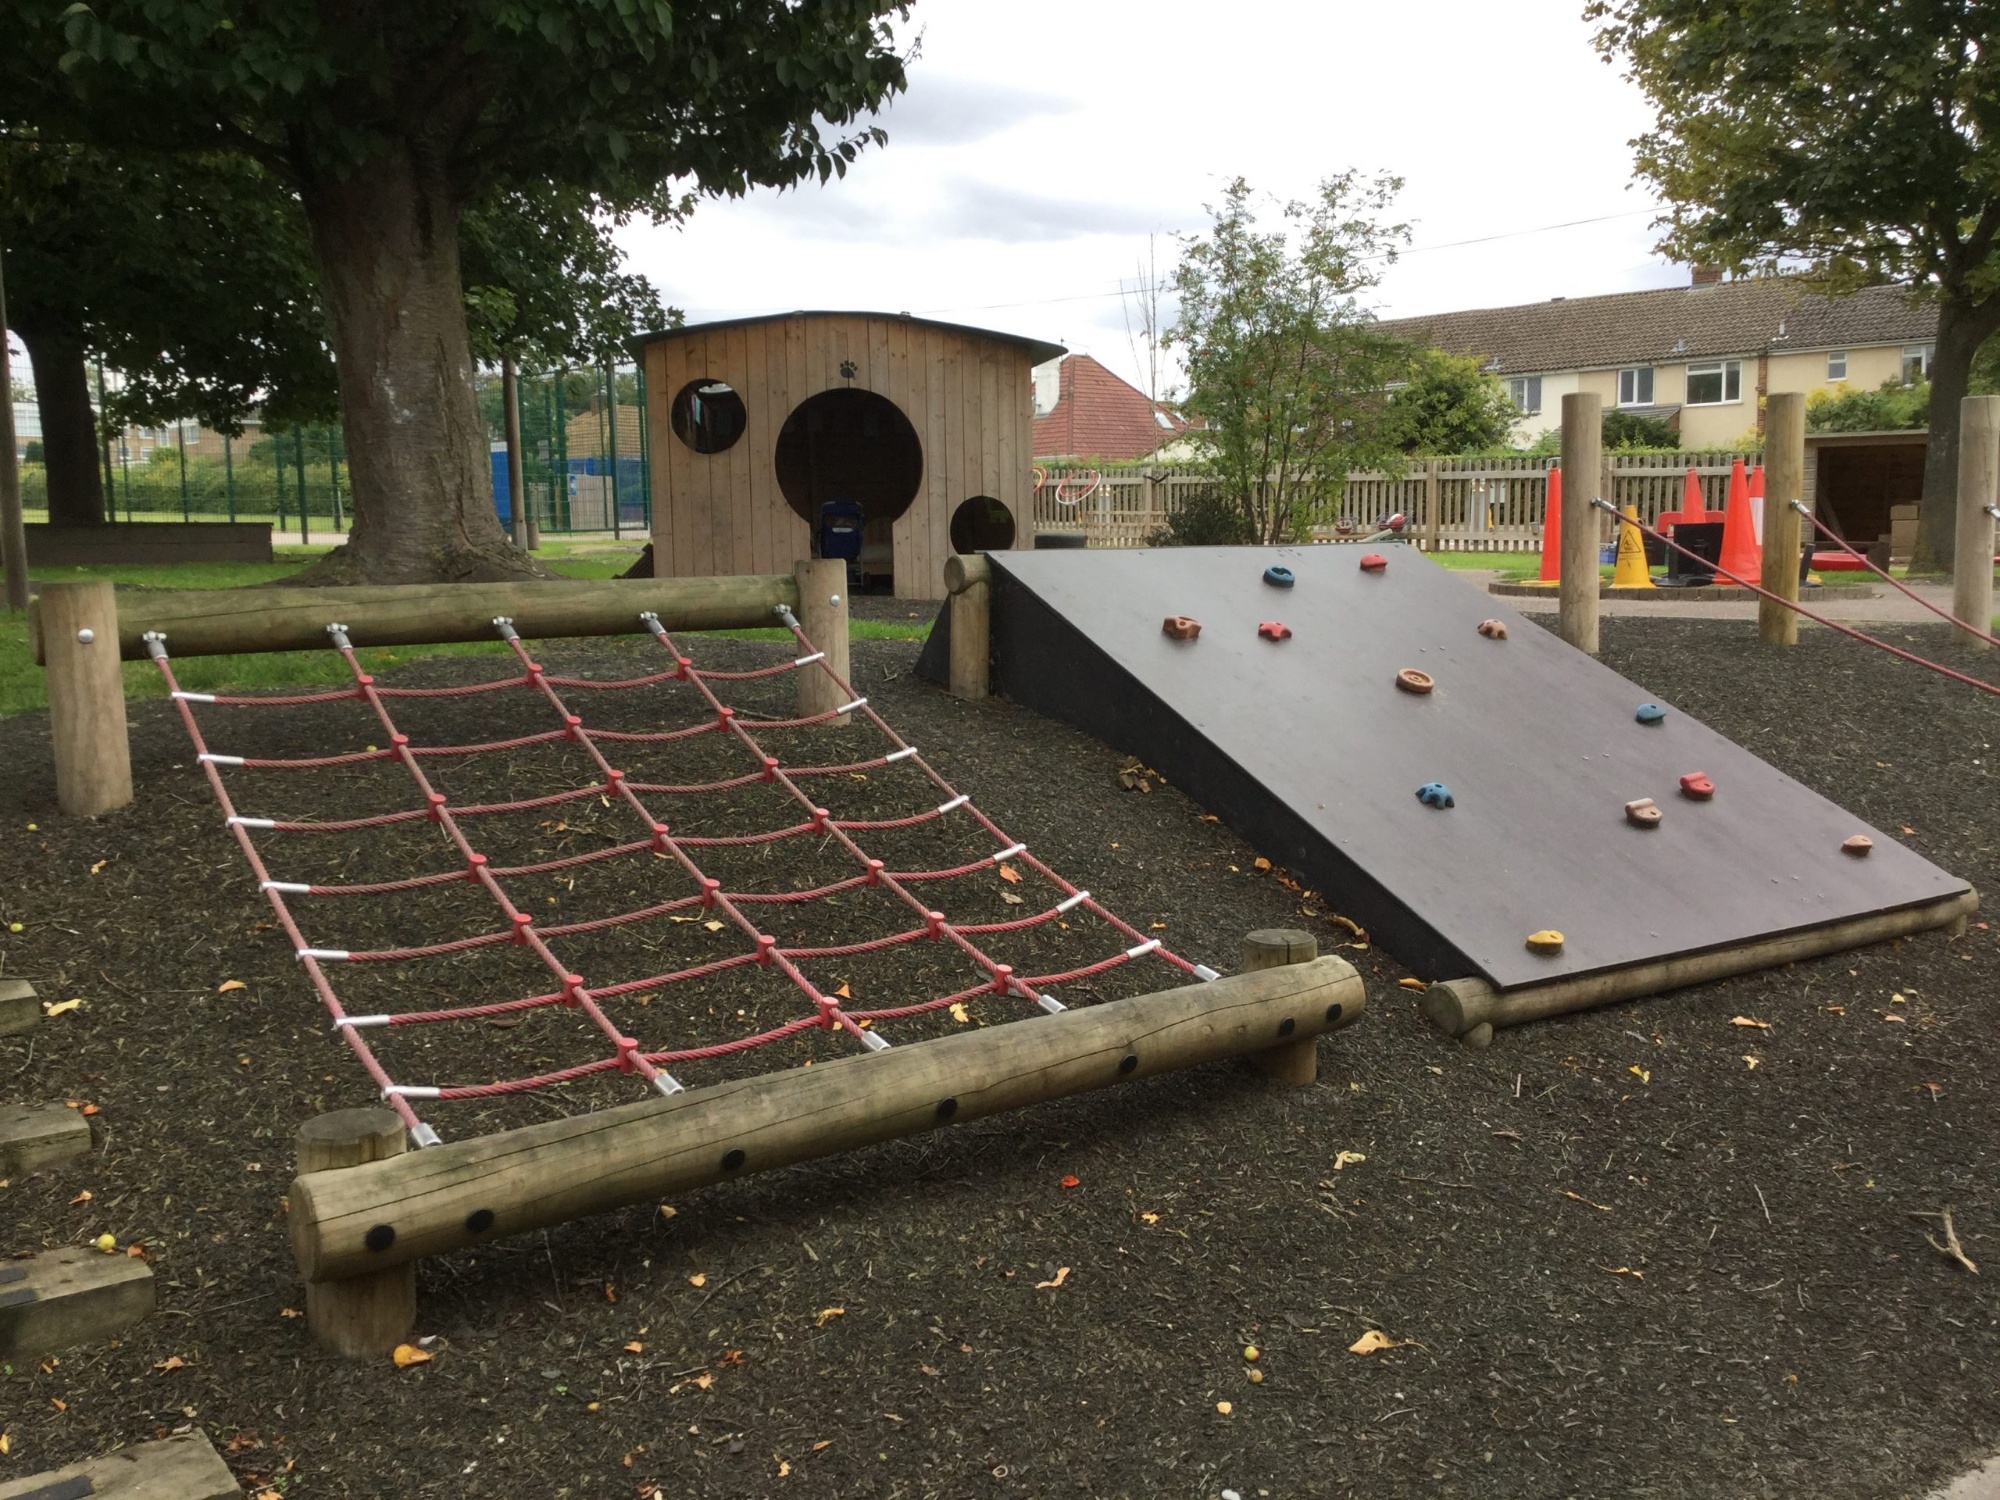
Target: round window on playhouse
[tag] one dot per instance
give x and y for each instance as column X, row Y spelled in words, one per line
column 708, row 416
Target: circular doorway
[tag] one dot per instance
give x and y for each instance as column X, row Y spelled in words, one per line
column 982, row 524
column 849, row 445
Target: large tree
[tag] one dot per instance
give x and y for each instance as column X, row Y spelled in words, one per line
column 390, row 119
column 1854, row 142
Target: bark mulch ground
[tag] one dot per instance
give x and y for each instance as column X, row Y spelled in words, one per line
column 1642, row 1252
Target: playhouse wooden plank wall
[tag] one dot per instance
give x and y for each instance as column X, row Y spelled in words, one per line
column 969, row 396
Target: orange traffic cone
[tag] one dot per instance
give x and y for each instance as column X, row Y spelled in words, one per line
column 1741, row 555
column 1692, row 503
column 1757, row 507
column 1552, row 531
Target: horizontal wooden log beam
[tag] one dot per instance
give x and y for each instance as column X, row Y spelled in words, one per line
column 1458, row 1006
column 350, row 1222
column 34, row 1137
column 182, row 1467
column 230, row 622
column 62, row 1298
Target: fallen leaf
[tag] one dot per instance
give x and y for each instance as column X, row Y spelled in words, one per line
column 1224, row 1407
column 733, row 1357
column 174, row 1362
column 1412, row 984
column 1013, row 900
column 844, row 993
column 934, row 1374
column 6, row 1443
column 88, row 1110
column 1896, row 999
column 1373, row 1342
column 230, row 984
column 1260, row 863
column 61, row 1007
column 58, row 1403
column 712, row 926
column 406, row 1355
column 698, row 1279
column 290, row 1312
column 99, row 866
column 1011, row 875
column 1070, row 1182
column 1347, row 1159
column 1748, row 1021
column 82, row 1197
column 1149, row 1218
column 1890, row 1015
column 1640, row 1073
column 1604, row 1208
column 822, row 1445
column 959, row 1012
column 784, row 1468
column 1623, row 1271
column 827, row 1315
column 635, row 1347
column 1749, row 1062
column 1835, row 1010
column 667, row 1210
column 610, row 1292
column 1062, row 1275
column 135, row 1251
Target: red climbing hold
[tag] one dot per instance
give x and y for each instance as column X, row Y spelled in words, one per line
column 1275, row 630
column 1181, row 627
column 1696, row 787
column 1373, row 562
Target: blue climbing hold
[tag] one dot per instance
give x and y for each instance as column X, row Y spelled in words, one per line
column 1279, row 577
column 1435, row 794
column 1651, row 713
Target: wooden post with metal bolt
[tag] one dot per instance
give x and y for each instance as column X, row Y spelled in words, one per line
column 968, row 583
column 373, row 1312
column 1784, row 482
column 1582, row 461
column 78, row 628
column 1295, row 1063
column 1978, row 494
column 823, row 616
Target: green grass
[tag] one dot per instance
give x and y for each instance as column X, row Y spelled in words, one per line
column 21, row 682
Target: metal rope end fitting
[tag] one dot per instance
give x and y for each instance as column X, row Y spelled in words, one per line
column 784, row 612
column 156, row 644
column 505, row 625
column 338, row 634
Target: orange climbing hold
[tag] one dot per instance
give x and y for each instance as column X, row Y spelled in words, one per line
column 1410, row 680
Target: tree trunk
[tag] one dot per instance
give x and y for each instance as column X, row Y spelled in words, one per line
column 386, row 240
column 1962, row 327
column 69, row 429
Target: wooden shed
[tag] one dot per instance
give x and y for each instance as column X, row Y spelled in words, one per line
column 755, row 424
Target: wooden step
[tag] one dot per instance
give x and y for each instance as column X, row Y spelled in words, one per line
column 34, row 1136
column 72, row 1296
column 185, row 1467
column 19, row 1009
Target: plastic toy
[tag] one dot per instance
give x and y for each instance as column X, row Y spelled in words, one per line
column 1181, row 627
column 1279, row 577
column 1275, row 630
column 1696, row 787
column 1436, row 794
column 1651, row 713
column 1373, row 562
column 1547, row 941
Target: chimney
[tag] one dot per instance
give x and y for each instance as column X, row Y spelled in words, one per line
column 1704, row 274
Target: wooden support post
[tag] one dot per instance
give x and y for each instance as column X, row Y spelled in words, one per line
column 182, row 1467
column 822, row 585
column 1978, row 488
column 34, row 1136
column 1582, row 461
column 968, row 583
column 62, row 1298
column 20, row 1007
column 467, row 1192
column 1456, row 1006
column 77, row 631
column 370, row 1313
column 1784, row 482
column 1297, row 1062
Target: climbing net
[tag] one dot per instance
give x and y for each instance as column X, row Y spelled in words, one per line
column 700, row 916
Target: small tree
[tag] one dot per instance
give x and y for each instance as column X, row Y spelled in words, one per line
column 1891, row 406
column 1451, row 405
column 1286, row 370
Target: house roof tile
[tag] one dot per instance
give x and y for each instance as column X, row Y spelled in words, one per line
column 1098, row 415
column 1755, row 315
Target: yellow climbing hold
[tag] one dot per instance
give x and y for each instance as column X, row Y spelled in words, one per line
column 1548, row 940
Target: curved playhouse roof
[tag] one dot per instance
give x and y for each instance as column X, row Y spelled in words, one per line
column 1038, row 350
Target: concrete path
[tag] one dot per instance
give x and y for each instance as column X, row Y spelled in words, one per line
column 1876, row 604
column 1983, row 1483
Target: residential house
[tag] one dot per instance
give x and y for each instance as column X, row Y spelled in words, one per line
column 1699, row 357
column 1084, row 412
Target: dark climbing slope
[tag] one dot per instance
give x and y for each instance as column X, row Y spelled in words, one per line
column 1307, row 748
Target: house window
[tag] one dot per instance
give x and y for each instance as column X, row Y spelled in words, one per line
column 1836, row 364
column 1715, row 384
column 1526, row 393
column 1635, row 386
column 1917, row 362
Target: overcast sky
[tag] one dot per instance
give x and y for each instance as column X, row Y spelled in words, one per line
column 1042, row 142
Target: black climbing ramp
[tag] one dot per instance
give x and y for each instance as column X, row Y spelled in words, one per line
column 1307, row 749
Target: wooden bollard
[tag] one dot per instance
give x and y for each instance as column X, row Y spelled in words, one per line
column 823, row 616
column 968, row 583
column 1784, row 482
column 1582, row 459
column 1978, row 487
column 78, row 627
column 371, row 1313
column 1270, row 948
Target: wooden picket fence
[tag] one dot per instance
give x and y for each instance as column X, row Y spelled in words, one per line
column 1453, row 504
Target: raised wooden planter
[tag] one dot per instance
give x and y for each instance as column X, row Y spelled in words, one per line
column 149, row 542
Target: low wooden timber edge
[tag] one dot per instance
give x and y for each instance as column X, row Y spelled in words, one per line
column 230, row 622
column 362, row 1219
column 1461, row 1006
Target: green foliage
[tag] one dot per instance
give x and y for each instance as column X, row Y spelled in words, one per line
column 1285, row 368
column 1628, row 432
column 1892, row 407
column 31, row 451
column 1206, row 518
column 1450, row 405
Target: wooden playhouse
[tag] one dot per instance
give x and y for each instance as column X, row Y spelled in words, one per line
column 756, row 423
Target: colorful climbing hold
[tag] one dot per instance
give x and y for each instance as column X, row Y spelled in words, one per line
column 1181, row 627
column 1436, row 794
column 1643, row 812
column 1275, row 630
column 1696, row 787
column 1410, row 680
column 1651, row 713
column 1547, row 941
column 1493, row 630
column 1278, row 577
column 1858, row 846
column 1373, row 562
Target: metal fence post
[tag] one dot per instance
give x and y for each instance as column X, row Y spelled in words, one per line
column 645, row 446
column 299, row 453
column 333, row 474
column 180, row 443
column 278, row 456
column 611, row 441
column 561, row 451
column 229, row 473
column 104, row 443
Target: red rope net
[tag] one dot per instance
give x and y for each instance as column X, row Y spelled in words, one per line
column 734, row 909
